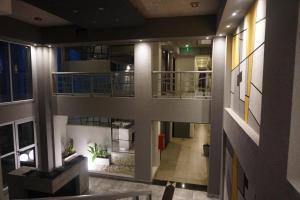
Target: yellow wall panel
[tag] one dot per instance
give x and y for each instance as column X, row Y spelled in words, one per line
column 234, row 189
column 235, row 52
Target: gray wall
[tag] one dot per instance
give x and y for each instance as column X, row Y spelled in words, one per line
column 281, row 29
column 215, row 153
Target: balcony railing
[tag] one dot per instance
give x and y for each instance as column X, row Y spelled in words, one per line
column 182, row 84
column 117, row 84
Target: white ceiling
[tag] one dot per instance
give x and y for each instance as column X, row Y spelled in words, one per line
column 175, row 8
column 26, row 13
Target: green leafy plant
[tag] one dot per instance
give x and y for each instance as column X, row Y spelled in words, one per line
column 98, row 152
column 69, row 149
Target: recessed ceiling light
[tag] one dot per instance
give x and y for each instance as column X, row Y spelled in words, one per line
column 100, row 8
column 207, row 38
column 234, row 14
column 141, row 40
column 183, row 185
column 195, row 4
column 35, row 44
column 37, row 19
column 228, row 26
column 49, row 46
column 220, row 34
column 187, row 45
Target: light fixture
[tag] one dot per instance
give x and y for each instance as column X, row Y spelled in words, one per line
column 183, row 185
column 207, row 38
column 228, row 26
column 49, row 46
column 128, row 68
column 220, row 34
column 234, row 14
column 140, row 40
column 24, row 157
column 35, row 44
column 31, row 155
column 195, row 4
column 187, row 45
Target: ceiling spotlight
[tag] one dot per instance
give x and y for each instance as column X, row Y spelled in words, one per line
column 220, row 34
column 195, row 4
column 35, row 44
column 140, row 40
column 228, row 26
column 234, row 14
column 49, row 46
column 207, row 38
column 187, row 45
column 183, row 185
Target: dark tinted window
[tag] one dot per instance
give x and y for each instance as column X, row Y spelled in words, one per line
column 26, row 134
column 8, row 165
column 6, row 139
column 4, row 73
column 21, row 72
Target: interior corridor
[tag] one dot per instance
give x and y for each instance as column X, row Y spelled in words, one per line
column 183, row 160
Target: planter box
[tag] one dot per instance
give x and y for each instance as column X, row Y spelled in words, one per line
column 102, row 161
column 70, row 157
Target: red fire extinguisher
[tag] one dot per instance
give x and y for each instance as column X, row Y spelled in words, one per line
column 161, row 141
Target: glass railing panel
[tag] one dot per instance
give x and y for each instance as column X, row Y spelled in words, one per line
column 102, row 84
column 182, row 84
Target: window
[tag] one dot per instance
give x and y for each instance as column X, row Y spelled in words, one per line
column 21, row 72
column 15, row 72
column 5, row 95
column 25, row 134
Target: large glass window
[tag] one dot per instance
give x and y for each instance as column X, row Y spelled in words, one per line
column 6, row 139
column 8, row 164
column 25, row 134
column 21, row 72
column 4, row 73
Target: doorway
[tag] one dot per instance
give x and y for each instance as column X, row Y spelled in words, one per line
column 184, row 159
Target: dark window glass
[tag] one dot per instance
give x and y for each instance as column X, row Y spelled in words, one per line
column 21, row 72
column 8, row 165
column 27, row 158
column 6, row 139
column 4, row 73
column 26, row 134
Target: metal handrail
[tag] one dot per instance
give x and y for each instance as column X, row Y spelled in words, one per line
column 182, row 84
column 109, row 196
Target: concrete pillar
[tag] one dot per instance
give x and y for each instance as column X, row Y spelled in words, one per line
column 279, row 64
column 43, row 60
column 215, row 153
column 143, row 93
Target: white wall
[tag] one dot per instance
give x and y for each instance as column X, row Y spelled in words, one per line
column 155, row 150
column 60, row 136
column 84, row 135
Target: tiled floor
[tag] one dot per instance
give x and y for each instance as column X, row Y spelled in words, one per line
column 104, row 186
column 183, row 159
column 101, row 186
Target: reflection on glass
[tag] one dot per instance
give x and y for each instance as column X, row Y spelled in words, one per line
column 8, row 165
column 4, row 73
column 6, row 139
column 27, row 158
column 26, row 134
column 21, row 72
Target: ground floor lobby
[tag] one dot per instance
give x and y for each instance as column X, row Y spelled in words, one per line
column 104, row 186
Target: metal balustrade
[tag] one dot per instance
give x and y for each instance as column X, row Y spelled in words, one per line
column 118, row 84
column 181, row 84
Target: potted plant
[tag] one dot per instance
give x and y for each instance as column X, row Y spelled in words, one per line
column 69, row 151
column 99, row 156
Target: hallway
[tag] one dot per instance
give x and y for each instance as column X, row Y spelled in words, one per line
column 183, row 159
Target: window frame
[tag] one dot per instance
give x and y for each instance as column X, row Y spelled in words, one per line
column 12, row 101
